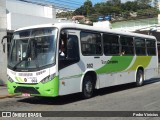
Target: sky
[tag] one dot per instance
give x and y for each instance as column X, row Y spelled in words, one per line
column 71, row 4
column 74, row 4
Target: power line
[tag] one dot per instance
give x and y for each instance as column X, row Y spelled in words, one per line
column 70, row 1
column 59, row 3
column 66, row 3
column 48, row 3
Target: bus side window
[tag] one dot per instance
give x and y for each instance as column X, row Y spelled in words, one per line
column 126, row 45
column 140, row 46
column 151, row 47
column 111, row 44
column 91, row 43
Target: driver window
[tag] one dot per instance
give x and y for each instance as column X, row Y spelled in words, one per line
column 62, row 48
column 72, row 47
column 68, row 50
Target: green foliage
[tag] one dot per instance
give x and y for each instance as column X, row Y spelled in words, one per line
column 67, row 15
column 85, row 9
column 129, row 6
column 155, row 2
column 114, row 2
column 152, row 12
column 126, row 14
column 142, row 9
column 80, row 11
column 143, row 2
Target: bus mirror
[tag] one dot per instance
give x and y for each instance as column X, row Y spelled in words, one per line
column 4, row 47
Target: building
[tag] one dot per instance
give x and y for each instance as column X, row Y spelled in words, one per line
column 28, row 13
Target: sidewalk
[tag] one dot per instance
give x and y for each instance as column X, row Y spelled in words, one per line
column 4, row 93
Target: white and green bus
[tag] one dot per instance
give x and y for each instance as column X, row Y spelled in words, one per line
column 65, row 58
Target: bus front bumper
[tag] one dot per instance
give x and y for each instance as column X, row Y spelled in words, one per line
column 49, row 89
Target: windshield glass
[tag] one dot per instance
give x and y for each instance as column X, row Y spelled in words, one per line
column 33, row 48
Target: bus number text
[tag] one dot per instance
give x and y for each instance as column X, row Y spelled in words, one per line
column 90, row 65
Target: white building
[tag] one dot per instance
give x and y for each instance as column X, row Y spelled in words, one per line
column 29, row 8
column 21, row 14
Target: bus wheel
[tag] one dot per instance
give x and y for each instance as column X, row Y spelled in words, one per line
column 88, row 87
column 139, row 78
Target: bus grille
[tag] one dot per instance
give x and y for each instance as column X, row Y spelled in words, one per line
column 29, row 90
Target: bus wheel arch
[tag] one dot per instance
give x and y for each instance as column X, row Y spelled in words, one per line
column 139, row 77
column 88, row 84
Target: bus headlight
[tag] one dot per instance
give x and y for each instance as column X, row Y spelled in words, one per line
column 48, row 78
column 10, row 79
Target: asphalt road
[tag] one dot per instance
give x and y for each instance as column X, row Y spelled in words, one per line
column 117, row 98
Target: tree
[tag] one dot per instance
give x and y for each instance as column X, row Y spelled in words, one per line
column 115, row 2
column 88, row 7
column 130, row 6
column 67, row 15
column 145, row 2
column 80, row 11
column 148, row 13
column 155, row 2
column 143, row 8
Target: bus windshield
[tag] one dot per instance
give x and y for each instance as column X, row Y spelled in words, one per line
column 34, row 48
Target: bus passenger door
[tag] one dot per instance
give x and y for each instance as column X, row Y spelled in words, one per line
column 69, row 70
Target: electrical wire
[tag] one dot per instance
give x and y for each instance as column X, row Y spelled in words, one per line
column 58, row 5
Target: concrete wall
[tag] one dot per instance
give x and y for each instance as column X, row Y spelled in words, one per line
column 3, row 56
column 15, row 20
column 25, row 8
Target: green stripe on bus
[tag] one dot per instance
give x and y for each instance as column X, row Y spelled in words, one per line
column 19, row 79
column 74, row 76
column 115, row 64
column 141, row 61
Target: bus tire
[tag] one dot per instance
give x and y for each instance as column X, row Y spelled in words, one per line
column 88, row 87
column 139, row 78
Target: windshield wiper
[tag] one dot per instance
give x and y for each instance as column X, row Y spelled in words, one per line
column 19, row 63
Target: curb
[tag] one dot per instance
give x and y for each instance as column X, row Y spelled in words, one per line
column 9, row 96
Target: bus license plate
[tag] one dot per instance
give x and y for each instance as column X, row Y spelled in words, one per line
column 26, row 94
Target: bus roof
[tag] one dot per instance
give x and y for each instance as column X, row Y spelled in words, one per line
column 86, row 27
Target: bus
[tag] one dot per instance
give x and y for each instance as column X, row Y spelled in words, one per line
column 64, row 58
